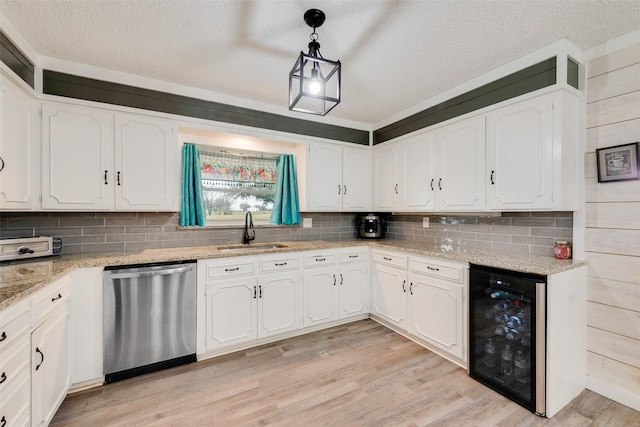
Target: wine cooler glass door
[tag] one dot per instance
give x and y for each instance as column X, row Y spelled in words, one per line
column 502, row 333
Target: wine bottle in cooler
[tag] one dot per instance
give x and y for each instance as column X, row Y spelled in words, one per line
column 506, row 362
column 521, row 367
column 490, row 353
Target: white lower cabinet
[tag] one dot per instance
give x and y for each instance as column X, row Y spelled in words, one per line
column 336, row 285
column 232, row 310
column 279, row 295
column 50, row 351
column 424, row 297
column 390, row 287
column 436, row 309
column 242, row 306
column 15, row 351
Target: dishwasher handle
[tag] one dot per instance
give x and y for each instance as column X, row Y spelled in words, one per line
column 148, row 273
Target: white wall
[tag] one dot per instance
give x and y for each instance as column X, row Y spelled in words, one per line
column 613, row 230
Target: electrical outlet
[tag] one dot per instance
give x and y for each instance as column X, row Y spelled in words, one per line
column 425, row 222
column 307, row 222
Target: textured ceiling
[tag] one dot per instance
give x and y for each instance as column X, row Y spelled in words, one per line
column 395, row 54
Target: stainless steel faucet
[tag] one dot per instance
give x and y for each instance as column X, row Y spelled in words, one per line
column 249, row 232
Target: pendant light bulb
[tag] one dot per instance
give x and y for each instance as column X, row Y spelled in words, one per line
column 315, row 85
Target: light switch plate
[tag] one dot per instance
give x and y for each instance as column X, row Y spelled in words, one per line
column 307, row 222
column 425, row 222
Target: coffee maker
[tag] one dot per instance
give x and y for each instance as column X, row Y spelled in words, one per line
column 370, row 226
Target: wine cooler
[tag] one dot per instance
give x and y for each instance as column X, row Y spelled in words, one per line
column 507, row 334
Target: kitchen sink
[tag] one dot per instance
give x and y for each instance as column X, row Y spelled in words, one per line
column 251, row 247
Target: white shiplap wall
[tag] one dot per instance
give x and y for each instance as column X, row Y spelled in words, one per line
column 613, row 231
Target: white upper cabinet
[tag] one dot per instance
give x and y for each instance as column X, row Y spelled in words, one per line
column 417, row 173
column 17, row 153
column 77, row 158
column 520, row 155
column 460, row 166
column 97, row 160
column 532, row 154
column 147, row 173
column 440, row 170
column 338, row 178
column 385, row 181
column 356, row 183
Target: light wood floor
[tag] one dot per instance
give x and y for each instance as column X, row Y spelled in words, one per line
column 360, row 374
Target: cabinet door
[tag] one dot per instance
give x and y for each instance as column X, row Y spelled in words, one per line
column 50, row 367
column 385, row 185
column 417, row 173
column 279, row 303
column 356, row 185
column 231, row 311
column 354, row 285
column 390, row 294
column 520, row 143
column 16, row 147
column 436, row 312
column 147, row 163
column 320, row 295
column 77, row 162
column 325, row 178
column 461, row 166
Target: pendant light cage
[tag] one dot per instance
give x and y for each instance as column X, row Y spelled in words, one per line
column 314, row 82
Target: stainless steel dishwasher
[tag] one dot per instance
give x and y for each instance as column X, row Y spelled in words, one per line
column 149, row 318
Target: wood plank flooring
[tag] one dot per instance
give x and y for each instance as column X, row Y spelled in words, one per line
column 359, row 374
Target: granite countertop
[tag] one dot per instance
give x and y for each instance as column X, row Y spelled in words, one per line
column 21, row 278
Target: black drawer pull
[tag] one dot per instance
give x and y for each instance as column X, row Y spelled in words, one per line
column 232, row 269
column 387, row 258
column 3, row 336
column 3, row 377
column 56, row 298
column 280, row 264
column 41, row 360
column 354, row 256
column 320, row 259
column 433, row 269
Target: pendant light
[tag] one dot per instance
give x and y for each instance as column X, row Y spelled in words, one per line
column 314, row 82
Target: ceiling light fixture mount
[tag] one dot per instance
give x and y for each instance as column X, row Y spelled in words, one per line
column 314, row 82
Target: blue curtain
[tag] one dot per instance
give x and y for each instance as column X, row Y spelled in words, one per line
column 286, row 208
column 192, row 211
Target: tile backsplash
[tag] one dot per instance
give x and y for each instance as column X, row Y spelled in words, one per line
column 523, row 232
column 531, row 233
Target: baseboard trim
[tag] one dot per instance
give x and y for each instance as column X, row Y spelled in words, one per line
column 614, row 393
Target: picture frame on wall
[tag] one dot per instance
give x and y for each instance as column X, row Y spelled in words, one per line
column 618, row 163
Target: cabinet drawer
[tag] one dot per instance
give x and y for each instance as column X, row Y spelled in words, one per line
column 15, row 406
column 279, row 264
column 389, row 258
column 50, row 298
column 355, row 256
column 319, row 260
column 14, row 323
column 434, row 267
column 14, row 364
column 238, row 268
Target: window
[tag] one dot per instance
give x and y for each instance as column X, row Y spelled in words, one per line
column 234, row 182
